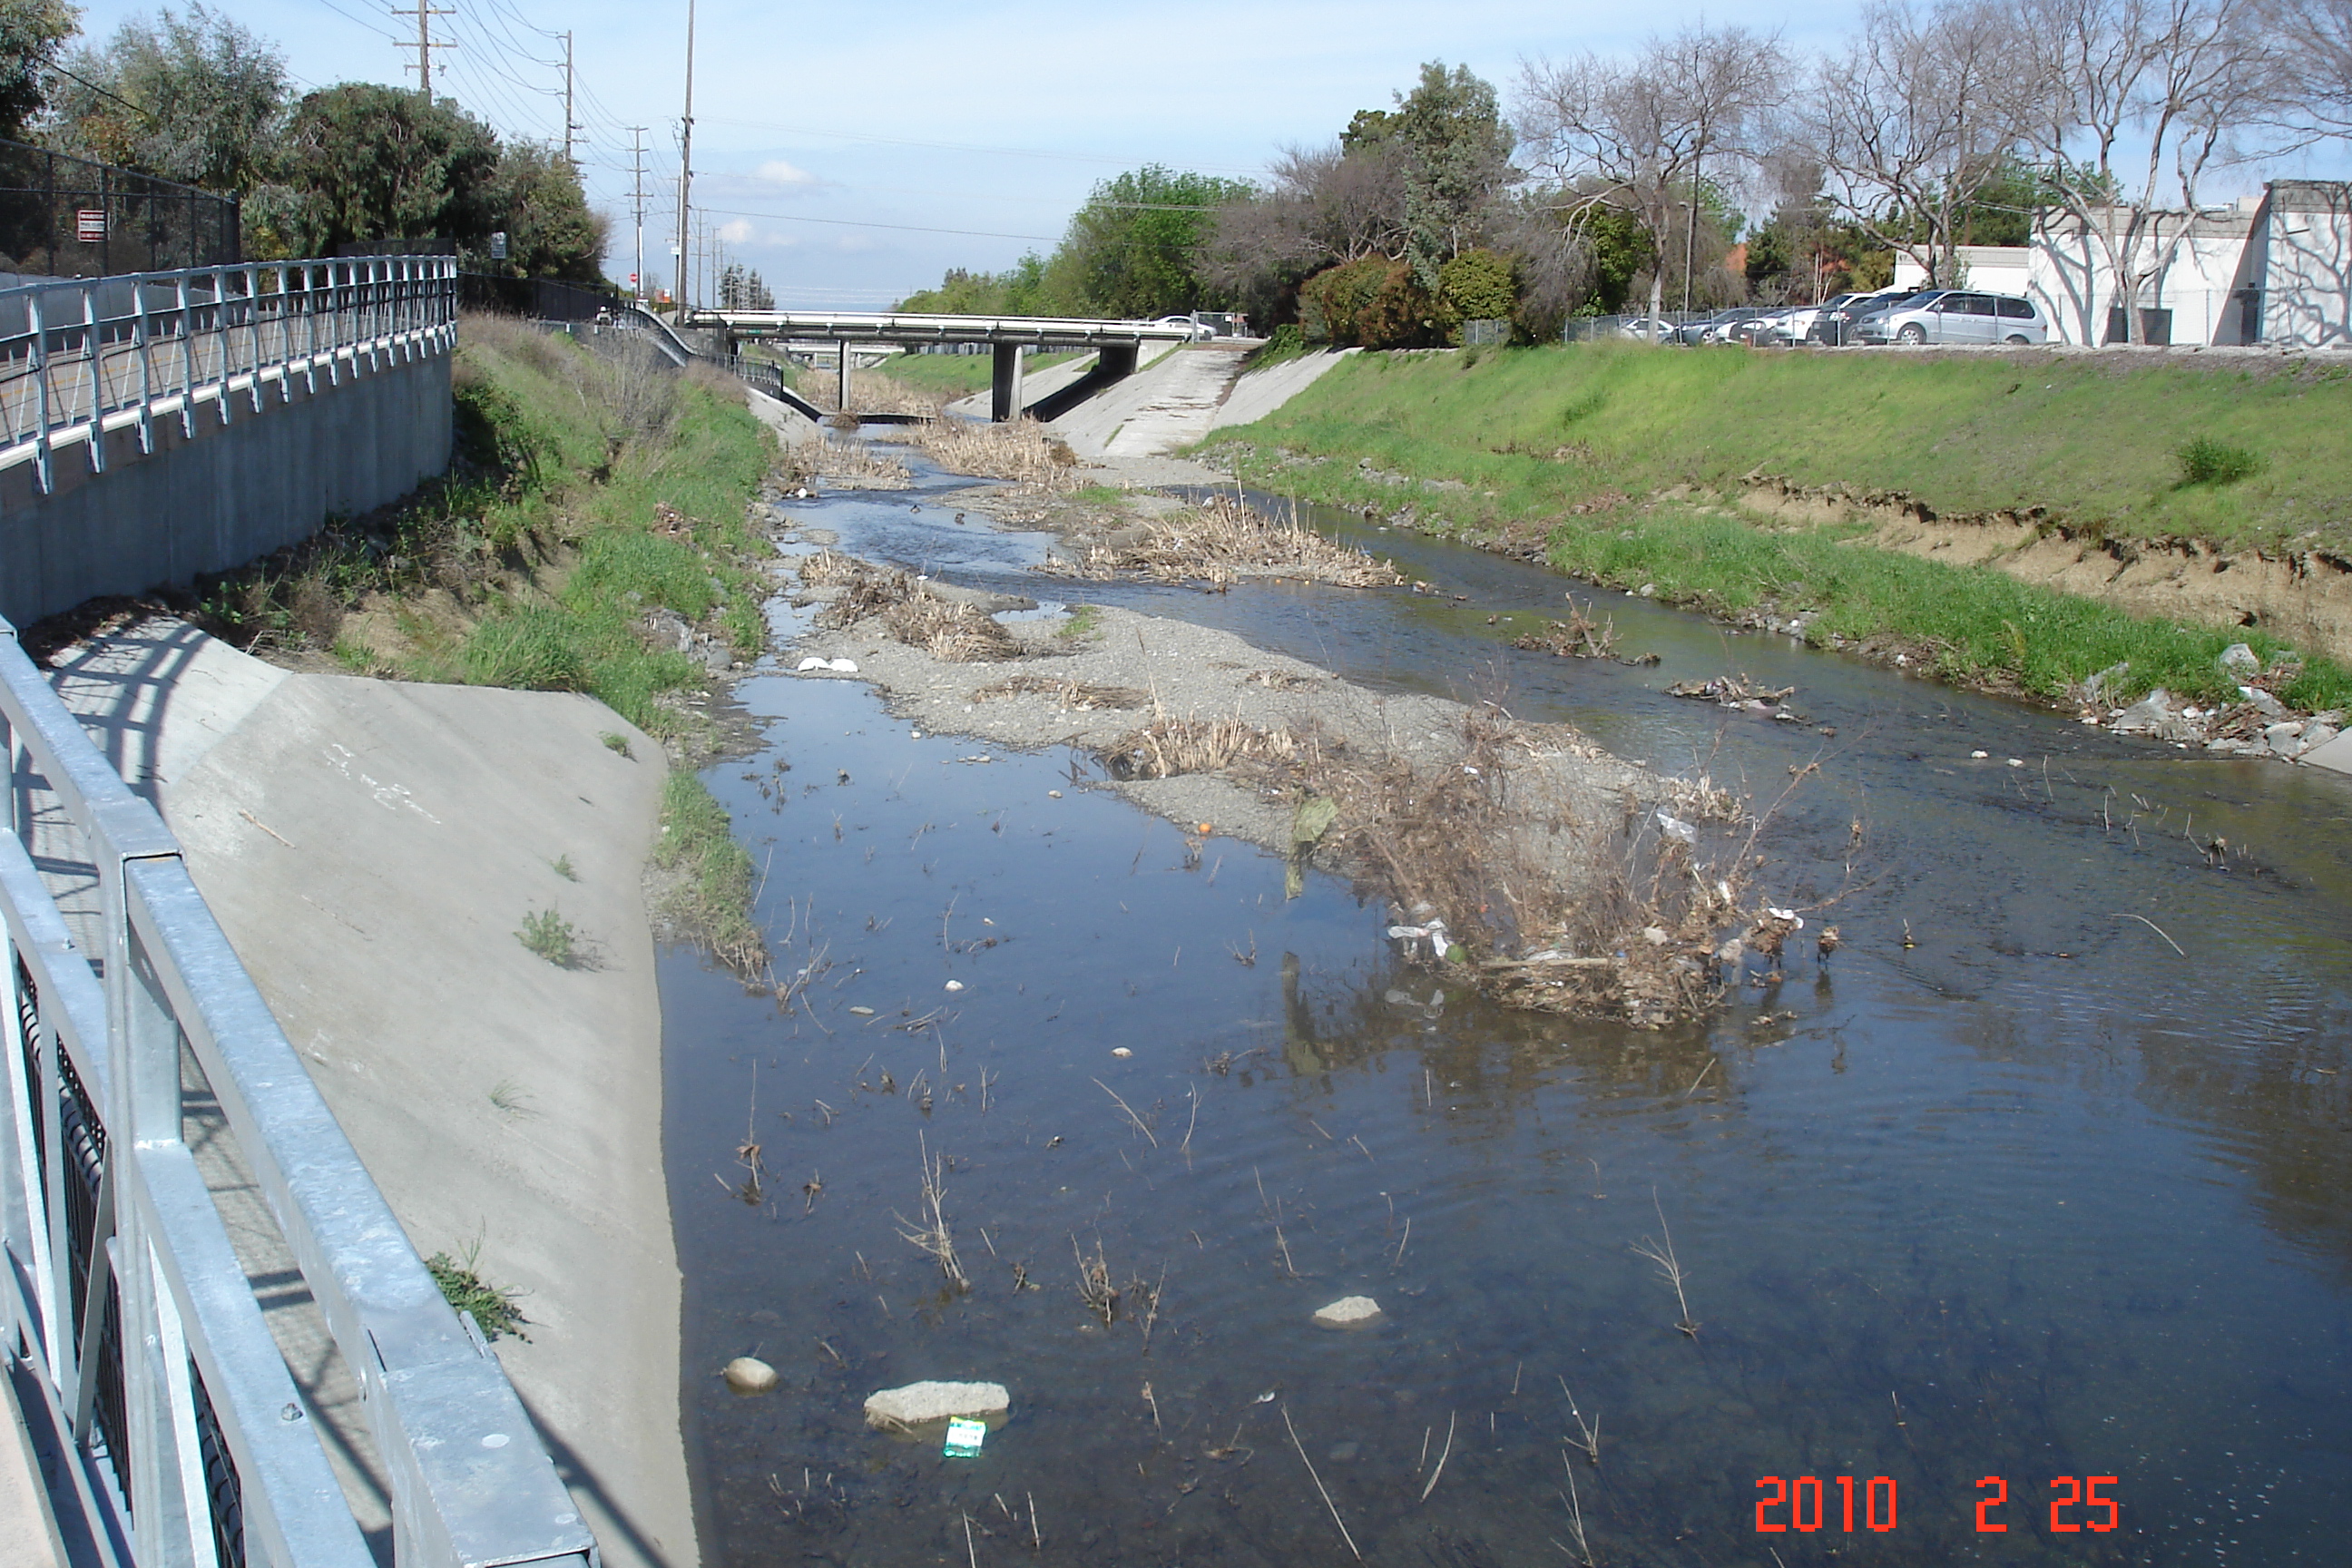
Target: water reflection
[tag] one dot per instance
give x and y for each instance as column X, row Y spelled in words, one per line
column 2033, row 1195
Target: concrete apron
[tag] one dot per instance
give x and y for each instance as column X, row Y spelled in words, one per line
column 370, row 848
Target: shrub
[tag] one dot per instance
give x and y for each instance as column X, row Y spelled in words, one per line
column 2206, row 461
column 1479, row 285
column 1330, row 302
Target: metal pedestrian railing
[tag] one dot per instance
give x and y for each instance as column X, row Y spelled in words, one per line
column 124, row 1309
column 82, row 357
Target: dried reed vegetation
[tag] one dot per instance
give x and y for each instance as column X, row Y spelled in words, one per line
column 1222, row 541
column 854, row 465
column 1019, row 450
column 1504, row 863
column 952, row 632
column 1070, row 695
column 872, row 392
column 1168, row 746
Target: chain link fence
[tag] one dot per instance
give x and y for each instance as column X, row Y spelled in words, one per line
column 63, row 216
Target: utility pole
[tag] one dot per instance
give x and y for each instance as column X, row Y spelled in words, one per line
column 685, row 158
column 637, row 194
column 425, row 45
column 571, row 123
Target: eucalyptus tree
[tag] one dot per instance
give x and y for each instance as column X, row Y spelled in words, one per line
column 191, row 96
column 1640, row 136
column 32, row 35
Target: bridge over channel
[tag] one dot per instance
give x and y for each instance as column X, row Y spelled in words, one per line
column 1117, row 345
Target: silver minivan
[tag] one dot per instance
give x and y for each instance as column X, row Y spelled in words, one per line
column 1956, row 316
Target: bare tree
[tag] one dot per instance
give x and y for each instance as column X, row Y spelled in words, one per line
column 2130, row 105
column 2319, row 32
column 1641, row 135
column 1912, row 121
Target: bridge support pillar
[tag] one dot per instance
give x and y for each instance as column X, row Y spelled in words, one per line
column 842, row 401
column 1005, row 387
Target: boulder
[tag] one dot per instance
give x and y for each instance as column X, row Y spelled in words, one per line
column 1349, row 1312
column 749, row 1374
column 897, row 1409
column 2150, row 713
column 2240, row 661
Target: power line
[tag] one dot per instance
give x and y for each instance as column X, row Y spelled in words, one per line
column 903, row 227
column 961, row 146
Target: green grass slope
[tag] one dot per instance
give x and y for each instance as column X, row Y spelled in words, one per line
column 2094, row 440
column 1572, row 447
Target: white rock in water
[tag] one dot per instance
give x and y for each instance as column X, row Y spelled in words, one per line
column 749, row 1374
column 917, row 1402
column 1348, row 1311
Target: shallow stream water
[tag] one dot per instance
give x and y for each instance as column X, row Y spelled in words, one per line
column 2043, row 1175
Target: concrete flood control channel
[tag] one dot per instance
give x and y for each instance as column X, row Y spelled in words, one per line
column 2009, row 1188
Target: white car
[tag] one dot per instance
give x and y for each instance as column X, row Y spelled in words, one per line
column 1956, row 316
column 1201, row 331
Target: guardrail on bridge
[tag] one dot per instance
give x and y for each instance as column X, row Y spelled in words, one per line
column 125, row 1312
column 82, row 357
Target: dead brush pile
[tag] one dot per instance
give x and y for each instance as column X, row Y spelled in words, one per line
column 1579, row 636
column 1220, row 543
column 1544, row 893
column 1019, row 450
column 949, row 631
column 1505, row 864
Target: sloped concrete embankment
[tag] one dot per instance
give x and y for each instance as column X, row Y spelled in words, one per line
column 372, row 849
column 1171, row 402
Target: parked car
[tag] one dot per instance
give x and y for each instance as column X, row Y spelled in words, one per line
column 1801, row 320
column 1762, row 329
column 1836, row 324
column 1955, row 316
column 1705, row 332
column 1201, row 331
column 1643, row 327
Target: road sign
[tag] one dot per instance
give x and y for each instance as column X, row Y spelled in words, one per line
column 89, row 225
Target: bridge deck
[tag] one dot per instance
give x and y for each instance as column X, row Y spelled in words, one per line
column 1030, row 332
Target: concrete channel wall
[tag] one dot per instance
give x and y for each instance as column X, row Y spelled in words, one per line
column 226, row 494
column 372, row 849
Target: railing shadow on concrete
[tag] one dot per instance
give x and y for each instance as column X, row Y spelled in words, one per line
column 133, row 1331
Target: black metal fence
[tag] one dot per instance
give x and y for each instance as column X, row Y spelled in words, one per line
column 539, row 299
column 63, row 216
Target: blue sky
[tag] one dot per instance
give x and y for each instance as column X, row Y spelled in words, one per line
column 816, row 126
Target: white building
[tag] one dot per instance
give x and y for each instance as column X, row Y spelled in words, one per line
column 2275, row 268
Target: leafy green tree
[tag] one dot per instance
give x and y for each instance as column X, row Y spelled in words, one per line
column 369, row 162
column 534, row 196
column 191, row 96
column 1457, row 156
column 1135, row 249
column 1021, row 289
column 32, row 33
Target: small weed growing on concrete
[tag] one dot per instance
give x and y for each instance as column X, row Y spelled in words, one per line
column 615, row 741
column 493, row 1308
column 547, row 933
column 512, row 1101
column 562, row 866
column 2206, row 461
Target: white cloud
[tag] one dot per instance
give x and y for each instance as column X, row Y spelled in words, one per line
column 777, row 172
column 739, row 232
